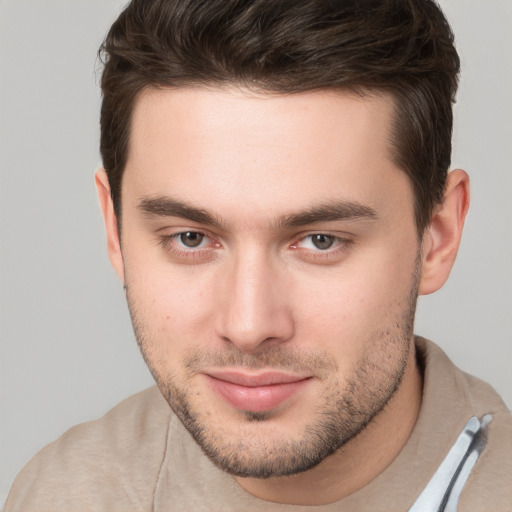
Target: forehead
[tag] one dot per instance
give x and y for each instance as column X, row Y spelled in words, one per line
column 231, row 147
column 317, row 118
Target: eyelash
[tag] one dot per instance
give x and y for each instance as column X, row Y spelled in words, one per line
column 169, row 243
column 340, row 245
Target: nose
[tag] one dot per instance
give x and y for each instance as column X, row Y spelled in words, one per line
column 253, row 311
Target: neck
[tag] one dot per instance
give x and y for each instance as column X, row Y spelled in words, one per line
column 356, row 463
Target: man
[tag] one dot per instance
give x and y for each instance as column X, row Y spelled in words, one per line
column 275, row 197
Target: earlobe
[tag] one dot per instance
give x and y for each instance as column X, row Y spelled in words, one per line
column 110, row 219
column 442, row 237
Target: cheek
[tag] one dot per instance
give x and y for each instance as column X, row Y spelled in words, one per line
column 175, row 308
column 337, row 317
column 342, row 312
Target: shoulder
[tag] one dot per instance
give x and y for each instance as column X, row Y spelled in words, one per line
column 108, row 464
column 453, row 397
column 489, row 486
column 446, row 382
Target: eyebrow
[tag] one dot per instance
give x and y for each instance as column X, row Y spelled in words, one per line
column 328, row 212
column 166, row 206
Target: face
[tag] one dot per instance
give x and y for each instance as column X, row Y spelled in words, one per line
column 270, row 259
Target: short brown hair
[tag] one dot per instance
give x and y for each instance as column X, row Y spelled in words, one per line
column 402, row 47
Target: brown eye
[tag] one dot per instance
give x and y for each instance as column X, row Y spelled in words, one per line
column 322, row 242
column 191, row 239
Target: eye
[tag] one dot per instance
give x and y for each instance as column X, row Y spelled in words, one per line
column 188, row 244
column 322, row 248
column 318, row 241
column 322, row 242
column 190, row 239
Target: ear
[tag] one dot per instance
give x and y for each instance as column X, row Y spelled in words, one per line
column 442, row 237
column 107, row 208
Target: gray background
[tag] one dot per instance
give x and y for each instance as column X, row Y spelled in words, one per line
column 67, row 350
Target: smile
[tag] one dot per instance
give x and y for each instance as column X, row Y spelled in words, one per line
column 255, row 393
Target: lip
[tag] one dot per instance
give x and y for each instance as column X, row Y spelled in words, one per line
column 255, row 392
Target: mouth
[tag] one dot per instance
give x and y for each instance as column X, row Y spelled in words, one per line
column 255, row 392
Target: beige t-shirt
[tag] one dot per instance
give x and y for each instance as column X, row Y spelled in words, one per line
column 139, row 457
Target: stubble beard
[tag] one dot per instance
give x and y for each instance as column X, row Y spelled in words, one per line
column 346, row 409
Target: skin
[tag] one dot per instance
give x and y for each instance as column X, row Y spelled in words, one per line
column 257, row 294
